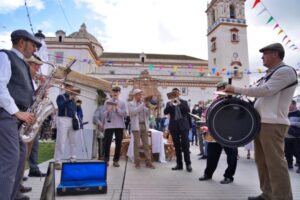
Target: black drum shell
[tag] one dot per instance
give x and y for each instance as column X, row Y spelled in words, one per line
column 232, row 122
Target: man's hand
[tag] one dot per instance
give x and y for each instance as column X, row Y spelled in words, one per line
column 26, row 117
column 100, row 126
column 110, row 108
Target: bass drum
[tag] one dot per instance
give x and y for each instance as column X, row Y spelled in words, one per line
column 232, row 122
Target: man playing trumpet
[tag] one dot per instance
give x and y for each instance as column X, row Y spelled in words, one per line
column 179, row 125
column 139, row 117
column 66, row 112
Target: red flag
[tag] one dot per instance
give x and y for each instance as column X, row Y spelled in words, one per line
column 255, row 3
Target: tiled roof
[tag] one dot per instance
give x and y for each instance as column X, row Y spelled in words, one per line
column 149, row 56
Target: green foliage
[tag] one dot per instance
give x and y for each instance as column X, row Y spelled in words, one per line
column 46, row 152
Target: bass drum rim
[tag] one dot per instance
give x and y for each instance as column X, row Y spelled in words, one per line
column 222, row 103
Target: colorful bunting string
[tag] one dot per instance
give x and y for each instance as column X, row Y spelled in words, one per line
column 271, row 19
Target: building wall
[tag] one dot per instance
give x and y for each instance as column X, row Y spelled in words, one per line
column 226, row 50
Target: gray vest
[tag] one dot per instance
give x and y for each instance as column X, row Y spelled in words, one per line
column 20, row 84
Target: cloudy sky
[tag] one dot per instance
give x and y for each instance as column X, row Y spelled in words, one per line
column 151, row 26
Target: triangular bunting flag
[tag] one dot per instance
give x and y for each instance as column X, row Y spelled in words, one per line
column 270, row 19
column 284, row 38
column 255, row 3
column 276, row 26
column 280, row 32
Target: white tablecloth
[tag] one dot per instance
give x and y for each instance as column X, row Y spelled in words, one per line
column 157, row 145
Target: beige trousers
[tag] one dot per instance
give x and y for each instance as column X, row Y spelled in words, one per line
column 142, row 134
column 271, row 165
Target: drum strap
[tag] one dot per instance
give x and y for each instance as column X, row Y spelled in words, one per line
column 267, row 77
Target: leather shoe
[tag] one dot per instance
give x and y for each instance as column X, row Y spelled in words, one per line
column 204, row 178
column 177, row 167
column 202, row 157
column 36, row 174
column 24, row 189
column 189, row 168
column 116, row 164
column 226, row 180
column 256, row 198
column 22, row 197
column 57, row 166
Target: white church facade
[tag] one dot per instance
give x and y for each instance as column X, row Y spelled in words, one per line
column 195, row 77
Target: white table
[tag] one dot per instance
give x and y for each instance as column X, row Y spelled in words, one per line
column 158, row 145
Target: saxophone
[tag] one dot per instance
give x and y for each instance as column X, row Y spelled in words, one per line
column 42, row 111
column 42, row 107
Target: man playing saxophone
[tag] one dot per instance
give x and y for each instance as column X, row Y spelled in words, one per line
column 16, row 96
column 34, row 63
column 33, row 146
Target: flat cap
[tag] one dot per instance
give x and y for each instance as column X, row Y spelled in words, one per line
column 26, row 35
column 221, row 84
column 136, row 91
column 273, row 47
column 116, row 88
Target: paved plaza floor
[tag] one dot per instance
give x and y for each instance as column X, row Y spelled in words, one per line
column 163, row 183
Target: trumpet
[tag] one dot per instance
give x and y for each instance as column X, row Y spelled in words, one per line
column 174, row 98
column 175, row 101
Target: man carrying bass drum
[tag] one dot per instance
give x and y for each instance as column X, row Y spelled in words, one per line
column 274, row 93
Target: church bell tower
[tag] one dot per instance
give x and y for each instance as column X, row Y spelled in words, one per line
column 227, row 40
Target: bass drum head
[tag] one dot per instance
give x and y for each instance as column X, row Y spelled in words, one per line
column 232, row 122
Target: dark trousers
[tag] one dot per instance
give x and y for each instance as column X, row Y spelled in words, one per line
column 292, row 148
column 194, row 135
column 12, row 156
column 33, row 156
column 181, row 144
column 108, row 135
column 214, row 151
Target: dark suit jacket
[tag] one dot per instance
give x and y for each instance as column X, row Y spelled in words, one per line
column 182, row 124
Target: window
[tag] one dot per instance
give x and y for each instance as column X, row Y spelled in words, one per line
column 213, row 46
column 184, row 91
column 213, row 16
column 60, row 38
column 59, row 57
column 232, row 12
column 234, row 35
column 235, row 71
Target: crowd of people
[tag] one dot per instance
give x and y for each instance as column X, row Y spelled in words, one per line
column 279, row 136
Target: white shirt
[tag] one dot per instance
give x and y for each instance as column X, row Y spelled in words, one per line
column 6, row 101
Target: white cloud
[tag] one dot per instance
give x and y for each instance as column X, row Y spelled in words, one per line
column 153, row 26
column 5, row 40
column 11, row 5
